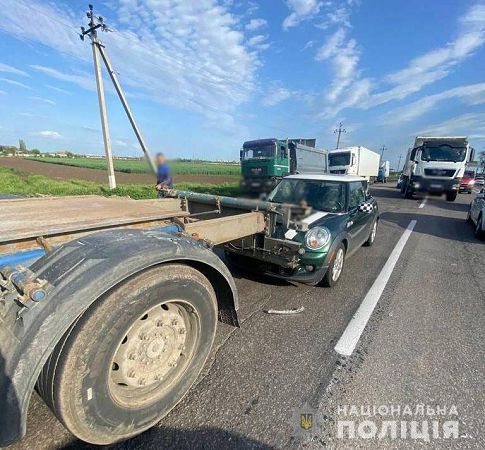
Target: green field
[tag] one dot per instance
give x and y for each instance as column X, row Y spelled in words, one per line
column 141, row 166
column 19, row 183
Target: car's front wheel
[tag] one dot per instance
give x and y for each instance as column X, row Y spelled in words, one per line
column 336, row 267
column 479, row 233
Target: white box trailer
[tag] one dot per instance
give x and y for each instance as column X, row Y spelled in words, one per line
column 358, row 161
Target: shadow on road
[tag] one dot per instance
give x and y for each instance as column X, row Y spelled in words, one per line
column 183, row 439
column 443, row 227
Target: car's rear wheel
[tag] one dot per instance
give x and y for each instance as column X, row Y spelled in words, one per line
column 372, row 235
column 132, row 356
column 334, row 271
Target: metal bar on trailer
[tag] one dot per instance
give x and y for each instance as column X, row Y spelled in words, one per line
column 226, row 229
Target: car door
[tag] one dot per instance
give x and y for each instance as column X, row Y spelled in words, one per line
column 358, row 224
column 478, row 205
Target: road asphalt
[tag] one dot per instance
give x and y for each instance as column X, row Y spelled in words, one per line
column 422, row 351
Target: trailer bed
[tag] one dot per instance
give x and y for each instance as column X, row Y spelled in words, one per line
column 23, row 220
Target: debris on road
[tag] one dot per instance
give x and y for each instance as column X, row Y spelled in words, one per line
column 285, row 311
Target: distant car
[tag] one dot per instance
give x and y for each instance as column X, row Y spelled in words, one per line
column 399, row 181
column 476, row 214
column 480, row 180
column 467, row 182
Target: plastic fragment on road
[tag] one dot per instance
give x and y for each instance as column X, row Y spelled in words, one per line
column 285, row 311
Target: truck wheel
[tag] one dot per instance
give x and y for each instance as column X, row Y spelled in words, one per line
column 372, row 235
column 451, row 196
column 336, row 267
column 408, row 192
column 132, row 356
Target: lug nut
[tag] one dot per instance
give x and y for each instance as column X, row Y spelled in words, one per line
column 144, row 336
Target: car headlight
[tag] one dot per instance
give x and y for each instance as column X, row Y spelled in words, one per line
column 471, row 182
column 317, row 238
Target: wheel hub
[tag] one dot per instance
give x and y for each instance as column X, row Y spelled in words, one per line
column 151, row 349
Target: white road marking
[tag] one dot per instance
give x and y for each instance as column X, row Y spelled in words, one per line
column 350, row 337
column 423, row 203
column 90, row 393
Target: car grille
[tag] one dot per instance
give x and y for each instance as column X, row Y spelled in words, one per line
column 439, row 172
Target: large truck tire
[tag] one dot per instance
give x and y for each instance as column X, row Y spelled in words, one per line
column 133, row 355
column 451, row 196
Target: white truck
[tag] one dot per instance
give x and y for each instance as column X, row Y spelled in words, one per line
column 435, row 165
column 384, row 171
column 354, row 161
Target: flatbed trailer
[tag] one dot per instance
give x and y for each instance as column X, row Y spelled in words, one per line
column 108, row 306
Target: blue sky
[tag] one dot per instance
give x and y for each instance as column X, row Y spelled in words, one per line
column 203, row 76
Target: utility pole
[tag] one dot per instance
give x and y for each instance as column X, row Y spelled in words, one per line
column 92, row 33
column 399, row 163
column 99, row 49
column 339, row 131
column 383, row 149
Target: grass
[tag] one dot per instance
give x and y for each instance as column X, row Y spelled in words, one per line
column 141, row 166
column 23, row 184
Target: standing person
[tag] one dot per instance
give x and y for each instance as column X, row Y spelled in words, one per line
column 164, row 175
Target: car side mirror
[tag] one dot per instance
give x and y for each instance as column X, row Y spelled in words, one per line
column 366, row 207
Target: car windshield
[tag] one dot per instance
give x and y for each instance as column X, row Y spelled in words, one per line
column 260, row 151
column 339, row 159
column 443, row 152
column 321, row 195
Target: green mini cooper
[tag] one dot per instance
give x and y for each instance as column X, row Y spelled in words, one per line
column 344, row 216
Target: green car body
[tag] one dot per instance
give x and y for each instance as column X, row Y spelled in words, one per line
column 351, row 225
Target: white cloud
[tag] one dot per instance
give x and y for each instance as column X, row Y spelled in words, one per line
column 120, row 143
column 300, row 10
column 344, row 59
column 467, row 94
column 465, row 124
column 259, row 42
column 9, row 69
column 43, row 100
column 256, row 24
column 58, row 89
column 83, row 80
column 421, row 71
column 16, row 83
column 48, row 134
column 277, row 95
column 189, row 55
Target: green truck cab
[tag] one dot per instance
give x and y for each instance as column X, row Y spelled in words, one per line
column 344, row 218
column 264, row 162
